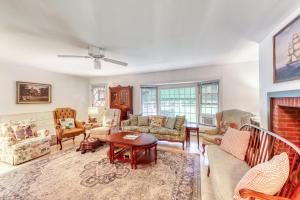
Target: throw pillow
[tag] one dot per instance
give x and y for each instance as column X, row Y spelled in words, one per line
column 156, row 121
column 32, row 131
column 19, row 132
column 170, row 122
column 143, row 120
column 235, row 142
column 179, row 122
column 268, row 177
column 133, row 120
column 67, row 123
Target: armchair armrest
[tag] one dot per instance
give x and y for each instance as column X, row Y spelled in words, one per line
column 79, row 124
column 43, row 132
column 246, row 193
column 213, row 132
column 58, row 127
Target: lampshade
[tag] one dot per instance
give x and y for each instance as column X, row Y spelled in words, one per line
column 93, row 110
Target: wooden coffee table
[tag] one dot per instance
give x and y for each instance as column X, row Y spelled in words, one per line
column 141, row 150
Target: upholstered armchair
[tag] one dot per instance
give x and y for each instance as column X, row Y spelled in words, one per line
column 61, row 132
column 108, row 122
column 228, row 118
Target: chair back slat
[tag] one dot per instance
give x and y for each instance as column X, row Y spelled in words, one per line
column 263, row 145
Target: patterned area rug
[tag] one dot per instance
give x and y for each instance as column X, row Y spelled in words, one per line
column 71, row 175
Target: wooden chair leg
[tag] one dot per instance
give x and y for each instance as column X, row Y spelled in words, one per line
column 60, row 144
column 73, row 140
column 57, row 141
column 84, row 136
column 183, row 145
column 208, row 171
column 203, row 147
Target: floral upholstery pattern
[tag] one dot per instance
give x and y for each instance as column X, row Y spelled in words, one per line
column 157, row 121
column 161, row 133
column 144, row 129
column 16, row 152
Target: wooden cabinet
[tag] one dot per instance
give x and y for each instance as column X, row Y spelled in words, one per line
column 121, row 98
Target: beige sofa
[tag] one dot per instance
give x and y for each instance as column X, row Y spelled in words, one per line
column 226, row 170
column 161, row 133
column 16, row 152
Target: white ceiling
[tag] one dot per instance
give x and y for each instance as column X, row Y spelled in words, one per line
column 150, row 35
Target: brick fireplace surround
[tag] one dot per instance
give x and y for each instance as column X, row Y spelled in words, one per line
column 285, row 118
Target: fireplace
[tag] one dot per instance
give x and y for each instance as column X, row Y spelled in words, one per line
column 285, row 116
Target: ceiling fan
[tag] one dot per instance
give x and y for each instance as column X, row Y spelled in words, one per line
column 97, row 54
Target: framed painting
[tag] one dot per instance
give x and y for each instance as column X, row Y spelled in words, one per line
column 286, row 52
column 33, row 93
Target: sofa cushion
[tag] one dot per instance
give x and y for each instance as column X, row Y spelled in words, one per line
column 179, row 122
column 226, row 171
column 164, row 131
column 129, row 128
column 268, row 177
column 154, row 130
column 22, row 132
column 157, row 121
column 235, row 142
column 133, row 120
column 144, row 129
column 143, row 121
column 170, row 122
column 72, row 132
column 104, row 130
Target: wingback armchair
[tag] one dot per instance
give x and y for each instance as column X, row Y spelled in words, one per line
column 108, row 122
column 233, row 118
column 61, row 132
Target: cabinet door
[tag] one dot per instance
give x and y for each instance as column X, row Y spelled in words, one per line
column 124, row 97
column 114, row 99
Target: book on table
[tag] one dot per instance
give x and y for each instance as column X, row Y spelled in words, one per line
column 130, row 137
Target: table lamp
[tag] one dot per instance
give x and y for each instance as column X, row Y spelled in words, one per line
column 92, row 111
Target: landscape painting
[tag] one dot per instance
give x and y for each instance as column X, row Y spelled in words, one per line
column 286, row 52
column 33, row 93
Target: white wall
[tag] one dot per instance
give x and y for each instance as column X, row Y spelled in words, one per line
column 238, row 86
column 266, row 70
column 67, row 90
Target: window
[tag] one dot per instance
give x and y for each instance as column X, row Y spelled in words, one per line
column 209, row 102
column 172, row 100
column 98, row 95
column 178, row 101
column 149, row 100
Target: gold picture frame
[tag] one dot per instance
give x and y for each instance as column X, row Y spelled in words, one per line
column 33, row 93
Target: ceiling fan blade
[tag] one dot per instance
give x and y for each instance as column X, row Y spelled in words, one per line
column 72, row 56
column 115, row 62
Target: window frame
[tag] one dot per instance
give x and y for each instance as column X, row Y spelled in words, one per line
column 156, row 98
column 92, row 95
column 175, row 86
column 200, row 99
column 198, row 93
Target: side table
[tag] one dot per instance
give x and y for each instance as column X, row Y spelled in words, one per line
column 89, row 126
column 191, row 127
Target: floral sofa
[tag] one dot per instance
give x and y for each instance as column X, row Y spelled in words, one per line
column 157, row 125
column 16, row 151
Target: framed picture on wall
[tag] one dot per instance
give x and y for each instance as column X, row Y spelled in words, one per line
column 33, row 93
column 286, row 52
